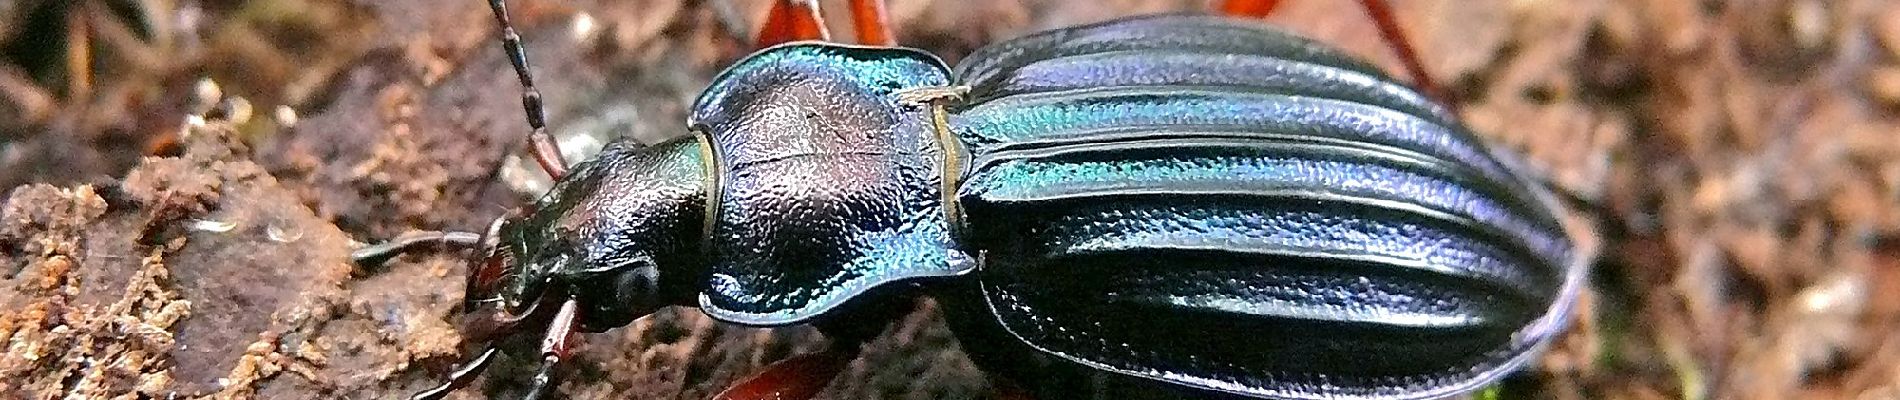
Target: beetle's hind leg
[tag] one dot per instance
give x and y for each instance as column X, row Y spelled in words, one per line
column 1394, row 36
column 1381, row 13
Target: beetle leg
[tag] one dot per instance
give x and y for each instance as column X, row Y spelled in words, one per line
column 1249, row 8
column 792, row 20
column 871, row 23
column 1381, row 13
column 459, row 378
column 796, row 378
column 546, row 152
column 380, row 252
column 555, row 347
column 1389, row 31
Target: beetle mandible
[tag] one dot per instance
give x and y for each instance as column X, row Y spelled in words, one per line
column 1173, row 206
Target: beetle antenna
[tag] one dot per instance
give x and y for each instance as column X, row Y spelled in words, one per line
column 546, row 152
column 378, row 253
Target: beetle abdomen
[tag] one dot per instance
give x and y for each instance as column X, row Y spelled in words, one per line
column 1213, row 204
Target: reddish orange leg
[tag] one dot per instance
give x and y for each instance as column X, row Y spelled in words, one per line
column 796, row 378
column 1381, row 13
column 792, row 20
column 1249, row 8
column 873, row 25
column 555, row 347
column 1389, row 31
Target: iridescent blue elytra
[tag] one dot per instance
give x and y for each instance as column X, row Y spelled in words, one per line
column 1157, row 207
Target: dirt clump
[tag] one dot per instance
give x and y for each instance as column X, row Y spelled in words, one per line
column 145, row 287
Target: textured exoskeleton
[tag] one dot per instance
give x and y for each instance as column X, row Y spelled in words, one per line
column 1166, row 206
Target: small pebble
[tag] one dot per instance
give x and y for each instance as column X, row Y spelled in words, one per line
column 211, row 226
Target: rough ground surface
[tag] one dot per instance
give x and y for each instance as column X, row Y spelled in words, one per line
column 1746, row 154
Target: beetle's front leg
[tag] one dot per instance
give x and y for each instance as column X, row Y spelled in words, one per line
column 555, row 347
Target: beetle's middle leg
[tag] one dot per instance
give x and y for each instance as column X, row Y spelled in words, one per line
column 797, row 378
column 849, row 328
column 791, row 20
column 871, row 23
column 794, row 20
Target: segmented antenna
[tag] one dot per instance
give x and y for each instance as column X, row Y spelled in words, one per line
column 546, row 152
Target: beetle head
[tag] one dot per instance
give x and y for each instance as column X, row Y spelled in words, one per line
column 621, row 234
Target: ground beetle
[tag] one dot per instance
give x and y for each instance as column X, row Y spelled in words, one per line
column 1172, row 206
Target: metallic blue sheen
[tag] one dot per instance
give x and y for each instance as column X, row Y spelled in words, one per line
column 827, row 185
column 1157, row 207
column 1187, row 68
column 1032, row 119
column 1235, row 211
column 985, row 67
column 1251, row 166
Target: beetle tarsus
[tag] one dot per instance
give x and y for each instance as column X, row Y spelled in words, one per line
column 544, row 382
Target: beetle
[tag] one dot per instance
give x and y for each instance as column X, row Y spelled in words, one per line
column 1172, row 206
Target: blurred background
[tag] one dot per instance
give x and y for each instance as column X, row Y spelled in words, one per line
column 1745, row 156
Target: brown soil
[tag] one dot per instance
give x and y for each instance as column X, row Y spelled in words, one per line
column 1746, row 156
